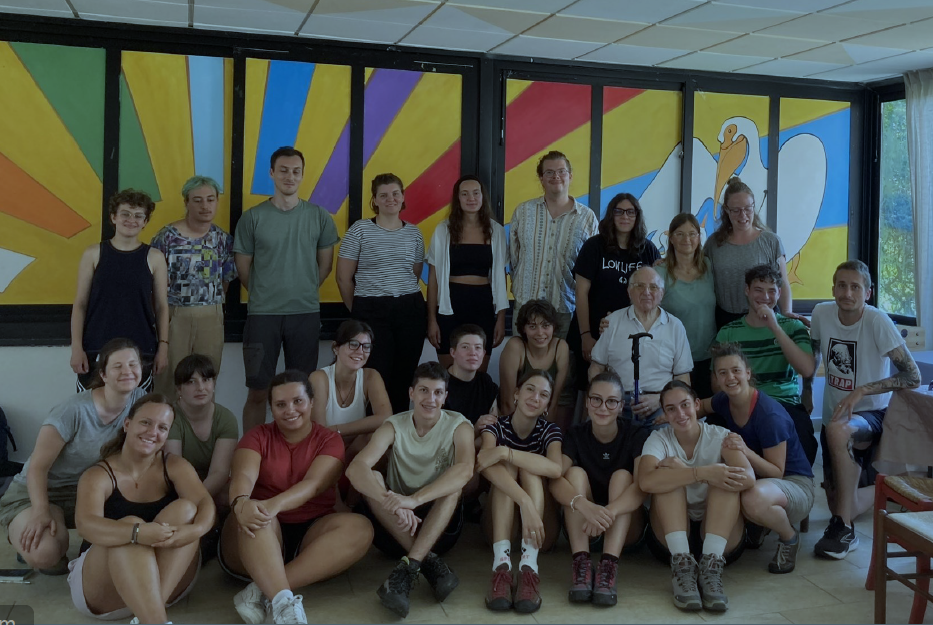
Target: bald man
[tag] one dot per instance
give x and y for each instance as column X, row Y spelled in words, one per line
column 664, row 356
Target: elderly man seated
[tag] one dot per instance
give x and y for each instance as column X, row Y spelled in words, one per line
column 665, row 354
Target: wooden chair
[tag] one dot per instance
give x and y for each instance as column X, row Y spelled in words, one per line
column 914, row 532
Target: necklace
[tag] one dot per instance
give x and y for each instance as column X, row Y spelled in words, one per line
column 342, row 401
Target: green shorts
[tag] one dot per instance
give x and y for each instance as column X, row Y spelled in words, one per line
column 16, row 499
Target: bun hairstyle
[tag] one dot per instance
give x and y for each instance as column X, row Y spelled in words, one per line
column 383, row 179
column 608, row 376
column 677, row 384
column 115, row 444
column 349, row 330
column 735, row 185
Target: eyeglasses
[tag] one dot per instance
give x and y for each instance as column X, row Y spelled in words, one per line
column 685, row 235
column 550, row 173
column 134, row 216
column 624, row 212
column 641, row 286
column 596, row 401
column 738, row 210
column 355, row 345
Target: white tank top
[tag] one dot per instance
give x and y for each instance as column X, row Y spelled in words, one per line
column 337, row 415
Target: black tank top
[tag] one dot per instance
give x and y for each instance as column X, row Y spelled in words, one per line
column 117, row 506
column 120, row 303
column 470, row 259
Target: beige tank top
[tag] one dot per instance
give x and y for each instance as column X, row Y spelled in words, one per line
column 416, row 461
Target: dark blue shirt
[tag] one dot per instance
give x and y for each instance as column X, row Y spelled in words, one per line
column 768, row 426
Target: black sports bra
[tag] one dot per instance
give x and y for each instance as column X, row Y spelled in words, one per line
column 470, row 259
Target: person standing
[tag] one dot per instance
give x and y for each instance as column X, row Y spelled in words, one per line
column 200, row 261
column 545, row 236
column 121, row 293
column 378, row 268
column 284, row 250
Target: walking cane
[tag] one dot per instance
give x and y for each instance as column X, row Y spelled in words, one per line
column 636, row 355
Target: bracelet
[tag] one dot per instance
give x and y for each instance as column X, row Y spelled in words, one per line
column 135, row 538
column 573, row 500
column 233, row 503
column 163, row 341
column 587, row 332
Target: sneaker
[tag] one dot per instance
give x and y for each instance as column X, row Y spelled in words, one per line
column 785, row 558
column 581, row 582
column 684, row 580
column 251, row 604
column 499, row 597
column 605, row 591
column 527, row 598
column 755, row 535
column 395, row 590
column 710, row 582
column 134, row 620
column 441, row 579
column 837, row 541
column 290, row 612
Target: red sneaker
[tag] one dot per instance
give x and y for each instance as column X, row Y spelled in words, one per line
column 527, row 597
column 499, row 597
column 581, row 583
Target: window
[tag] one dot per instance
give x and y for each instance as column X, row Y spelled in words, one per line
column 896, row 283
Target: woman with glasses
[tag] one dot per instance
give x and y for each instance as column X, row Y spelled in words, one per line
column 346, row 392
column 741, row 242
column 602, row 503
column 378, row 271
column 603, row 268
column 689, row 294
column 466, row 282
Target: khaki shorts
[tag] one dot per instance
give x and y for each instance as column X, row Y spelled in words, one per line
column 800, row 492
column 16, row 499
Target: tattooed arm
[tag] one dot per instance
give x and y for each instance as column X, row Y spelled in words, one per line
column 907, row 376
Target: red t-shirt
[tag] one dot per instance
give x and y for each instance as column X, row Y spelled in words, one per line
column 285, row 464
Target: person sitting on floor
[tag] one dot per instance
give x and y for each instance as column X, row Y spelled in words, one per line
column 140, row 553
column 694, row 482
column 283, row 533
column 601, row 499
column 415, row 507
column 765, row 433
column 519, row 453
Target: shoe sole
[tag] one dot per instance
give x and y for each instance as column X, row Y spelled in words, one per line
column 603, row 599
column 499, row 605
column 778, row 571
column 443, row 591
column 838, row 555
column 716, row 606
column 580, row 596
column 249, row 615
column 526, row 607
column 395, row 607
column 692, row 605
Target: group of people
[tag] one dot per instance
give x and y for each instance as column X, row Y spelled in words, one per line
column 377, row 449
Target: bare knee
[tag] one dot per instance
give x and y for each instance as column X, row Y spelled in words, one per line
column 838, row 435
column 619, row 481
column 577, row 477
column 530, row 481
column 257, row 396
column 49, row 552
column 754, row 503
column 179, row 512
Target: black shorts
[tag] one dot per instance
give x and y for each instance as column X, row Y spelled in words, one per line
column 695, row 537
column 386, row 543
column 472, row 303
column 265, row 335
column 863, row 457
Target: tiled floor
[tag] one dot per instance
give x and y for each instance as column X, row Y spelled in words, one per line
column 818, row 591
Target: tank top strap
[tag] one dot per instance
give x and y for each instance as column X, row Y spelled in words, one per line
column 109, row 470
column 168, row 480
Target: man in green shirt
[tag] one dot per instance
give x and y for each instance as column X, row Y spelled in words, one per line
column 284, row 250
column 778, row 349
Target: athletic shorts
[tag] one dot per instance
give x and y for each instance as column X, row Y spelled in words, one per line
column 16, row 499
column 863, row 457
column 265, row 335
column 800, row 492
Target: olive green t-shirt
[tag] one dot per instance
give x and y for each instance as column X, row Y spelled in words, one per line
column 284, row 276
column 193, row 449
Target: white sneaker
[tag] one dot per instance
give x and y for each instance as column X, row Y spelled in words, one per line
column 251, row 604
column 135, row 621
column 290, row 611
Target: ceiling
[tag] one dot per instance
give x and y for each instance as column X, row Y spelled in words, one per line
column 842, row 40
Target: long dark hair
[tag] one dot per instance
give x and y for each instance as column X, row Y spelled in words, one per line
column 115, row 444
column 455, row 219
column 670, row 259
column 607, row 226
column 103, row 357
column 735, row 185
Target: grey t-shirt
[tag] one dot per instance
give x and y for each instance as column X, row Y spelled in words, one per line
column 78, row 423
column 730, row 262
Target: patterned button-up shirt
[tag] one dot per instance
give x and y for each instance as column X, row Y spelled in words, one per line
column 543, row 251
column 197, row 268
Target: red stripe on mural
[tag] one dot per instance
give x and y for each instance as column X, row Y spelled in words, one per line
column 24, row 198
column 542, row 114
column 430, row 192
column 614, row 97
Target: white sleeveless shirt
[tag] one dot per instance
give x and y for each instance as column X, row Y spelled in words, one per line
column 336, row 414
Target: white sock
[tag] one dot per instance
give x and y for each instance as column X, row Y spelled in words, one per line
column 714, row 544
column 529, row 556
column 677, row 542
column 501, row 554
column 283, row 595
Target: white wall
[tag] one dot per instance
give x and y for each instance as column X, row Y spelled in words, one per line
column 33, row 380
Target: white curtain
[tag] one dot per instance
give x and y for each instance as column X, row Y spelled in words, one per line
column 920, row 150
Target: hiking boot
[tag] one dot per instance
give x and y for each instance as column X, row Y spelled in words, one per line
column 684, row 580
column 755, row 535
column 605, row 591
column 251, row 604
column 785, row 558
column 441, row 579
column 837, row 541
column 393, row 593
column 581, row 583
column 527, row 597
column 499, row 597
column 710, row 583
column 290, row 612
